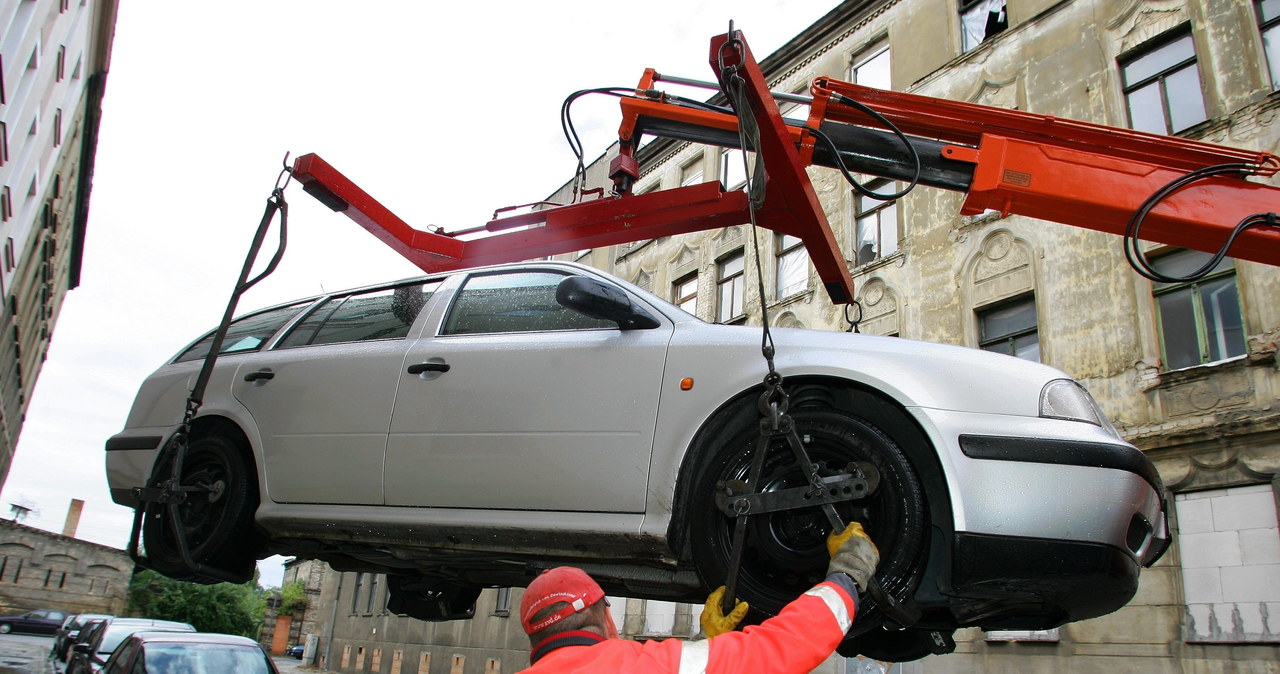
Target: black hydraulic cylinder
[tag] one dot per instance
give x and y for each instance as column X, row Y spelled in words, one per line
column 862, row 149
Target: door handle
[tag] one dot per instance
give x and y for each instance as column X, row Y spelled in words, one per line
column 260, row 374
column 419, row 368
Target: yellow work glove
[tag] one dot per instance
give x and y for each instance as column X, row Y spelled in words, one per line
column 853, row 553
column 713, row 620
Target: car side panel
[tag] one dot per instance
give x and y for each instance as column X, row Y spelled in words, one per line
column 322, row 418
column 539, row 420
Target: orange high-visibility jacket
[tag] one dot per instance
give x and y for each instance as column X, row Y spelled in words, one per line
column 796, row 640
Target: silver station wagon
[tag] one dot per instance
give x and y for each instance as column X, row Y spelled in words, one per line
column 469, row 429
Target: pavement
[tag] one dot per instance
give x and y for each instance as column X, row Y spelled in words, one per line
column 25, row 654
column 288, row 665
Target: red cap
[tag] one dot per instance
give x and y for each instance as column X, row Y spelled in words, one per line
column 563, row 583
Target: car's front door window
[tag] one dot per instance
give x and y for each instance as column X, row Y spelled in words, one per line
column 514, row 302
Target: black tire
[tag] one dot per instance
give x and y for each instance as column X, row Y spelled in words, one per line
column 786, row 551
column 217, row 524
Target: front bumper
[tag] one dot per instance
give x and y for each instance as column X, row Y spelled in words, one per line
column 1044, row 479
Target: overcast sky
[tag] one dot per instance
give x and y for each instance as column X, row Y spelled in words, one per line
column 444, row 112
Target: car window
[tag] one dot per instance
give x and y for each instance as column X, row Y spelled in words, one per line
column 121, row 657
column 514, row 302
column 246, row 333
column 198, row 658
column 385, row 313
column 115, row 634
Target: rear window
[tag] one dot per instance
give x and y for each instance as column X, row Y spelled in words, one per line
column 197, row 658
column 247, row 333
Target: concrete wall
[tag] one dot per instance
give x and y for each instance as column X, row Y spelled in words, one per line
column 39, row 569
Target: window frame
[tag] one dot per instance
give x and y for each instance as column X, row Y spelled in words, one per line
column 1009, row 337
column 736, row 283
column 1264, row 26
column 877, row 211
column 864, row 57
column 965, row 7
column 1202, row 333
column 787, row 247
column 1168, row 40
column 693, row 172
column 678, row 286
column 731, row 166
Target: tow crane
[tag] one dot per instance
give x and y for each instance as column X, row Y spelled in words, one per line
column 1159, row 188
column 1145, row 187
column 1165, row 189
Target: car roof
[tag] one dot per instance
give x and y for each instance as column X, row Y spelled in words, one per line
column 194, row 637
column 149, row 621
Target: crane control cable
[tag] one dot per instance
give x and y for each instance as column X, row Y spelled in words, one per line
column 1133, row 248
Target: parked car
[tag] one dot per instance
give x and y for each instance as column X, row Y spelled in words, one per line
column 101, row 638
column 41, row 621
column 188, row 653
column 67, row 633
column 296, row 651
column 467, row 429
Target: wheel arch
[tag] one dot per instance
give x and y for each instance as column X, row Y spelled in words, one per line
column 220, row 425
column 843, row 395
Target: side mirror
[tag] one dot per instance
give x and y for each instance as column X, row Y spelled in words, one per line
column 603, row 301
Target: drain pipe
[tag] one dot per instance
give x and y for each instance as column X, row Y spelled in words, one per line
column 333, row 619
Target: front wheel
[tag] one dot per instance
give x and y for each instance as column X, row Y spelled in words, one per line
column 5, row 628
column 785, row 552
column 216, row 521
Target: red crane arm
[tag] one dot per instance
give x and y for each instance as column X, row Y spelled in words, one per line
column 1081, row 174
column 1075, row 173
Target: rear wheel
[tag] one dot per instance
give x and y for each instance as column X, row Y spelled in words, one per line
column 216, row 521
column 785, row 552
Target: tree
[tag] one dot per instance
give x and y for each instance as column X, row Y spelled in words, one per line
column 226, row 608
column 293, row 597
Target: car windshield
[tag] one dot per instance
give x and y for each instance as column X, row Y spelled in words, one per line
column 197, row 658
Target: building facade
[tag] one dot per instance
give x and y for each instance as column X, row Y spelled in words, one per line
column 1187, row 370
column 285, row 625
column 40, row 570
column 53, row 64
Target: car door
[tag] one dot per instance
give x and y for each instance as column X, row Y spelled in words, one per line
column 321, row 397
column 515, row 402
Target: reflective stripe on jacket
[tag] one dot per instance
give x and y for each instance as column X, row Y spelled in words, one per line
column 797, row 640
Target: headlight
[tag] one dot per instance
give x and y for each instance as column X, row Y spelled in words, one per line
column 1067, row 399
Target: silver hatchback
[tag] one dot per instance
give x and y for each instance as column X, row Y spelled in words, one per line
column 469, row 429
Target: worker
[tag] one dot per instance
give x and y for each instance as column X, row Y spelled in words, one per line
column 570, row 629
